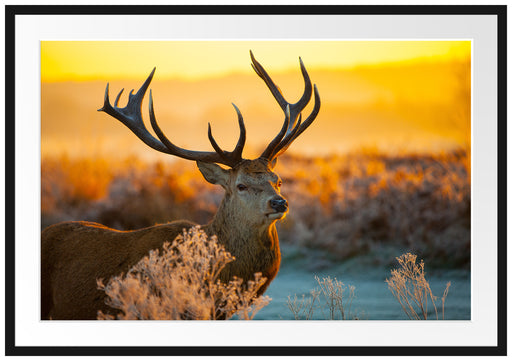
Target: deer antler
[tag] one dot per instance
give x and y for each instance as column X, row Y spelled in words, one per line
column 293, row 125
column 131, row 116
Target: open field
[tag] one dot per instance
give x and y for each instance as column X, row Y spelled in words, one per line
column 347, row 205
column 350, row 216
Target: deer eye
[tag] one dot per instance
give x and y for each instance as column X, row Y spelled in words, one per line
column 241, row 187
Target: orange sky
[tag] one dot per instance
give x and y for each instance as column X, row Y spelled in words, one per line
column 92, row 60
column 398, row 95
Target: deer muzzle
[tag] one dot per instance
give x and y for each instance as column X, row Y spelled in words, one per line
column 279, row 204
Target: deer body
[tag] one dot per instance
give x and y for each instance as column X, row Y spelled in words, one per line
column 75, row 254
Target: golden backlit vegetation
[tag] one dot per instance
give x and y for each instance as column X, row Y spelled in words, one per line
column 331, row 301
column 348, row 205
column 412, row 290
column 421, row 203
column 183, row 283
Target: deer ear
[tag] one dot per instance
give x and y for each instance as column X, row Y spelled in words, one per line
column 213, row 173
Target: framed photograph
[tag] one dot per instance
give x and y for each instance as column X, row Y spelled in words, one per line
column 282, row 180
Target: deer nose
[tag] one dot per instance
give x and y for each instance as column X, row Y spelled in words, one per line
column 279, row 204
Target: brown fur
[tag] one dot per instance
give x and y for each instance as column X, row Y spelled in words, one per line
column 75, row 254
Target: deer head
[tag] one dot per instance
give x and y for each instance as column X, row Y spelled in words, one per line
column 250, row 185
column 252, row 195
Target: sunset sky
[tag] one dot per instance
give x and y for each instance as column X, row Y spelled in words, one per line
column 391, row 94
column 84, row 60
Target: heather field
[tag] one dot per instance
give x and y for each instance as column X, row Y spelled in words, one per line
column 350, row 216
column 351, row 205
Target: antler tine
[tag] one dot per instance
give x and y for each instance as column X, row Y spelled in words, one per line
column 267, row 153
column 288, row 138
column 237, row 152
column 296, row 108
column 118, row 96
column 281, row 148
column 213, row 142
column 292, row 127
column 131, row 116
column 235, row 156
column 276, row 92
column 219, row 156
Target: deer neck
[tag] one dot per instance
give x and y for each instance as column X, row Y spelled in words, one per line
column 238, row 234
column 255, row 247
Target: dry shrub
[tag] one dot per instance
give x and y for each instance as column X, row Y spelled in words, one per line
column 412, row 290
column 303, row 308
column 182, row 282
column 333, row 300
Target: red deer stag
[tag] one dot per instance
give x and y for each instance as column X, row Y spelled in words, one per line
column 75, row 254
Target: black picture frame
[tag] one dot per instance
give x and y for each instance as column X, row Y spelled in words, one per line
column 12, row 349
